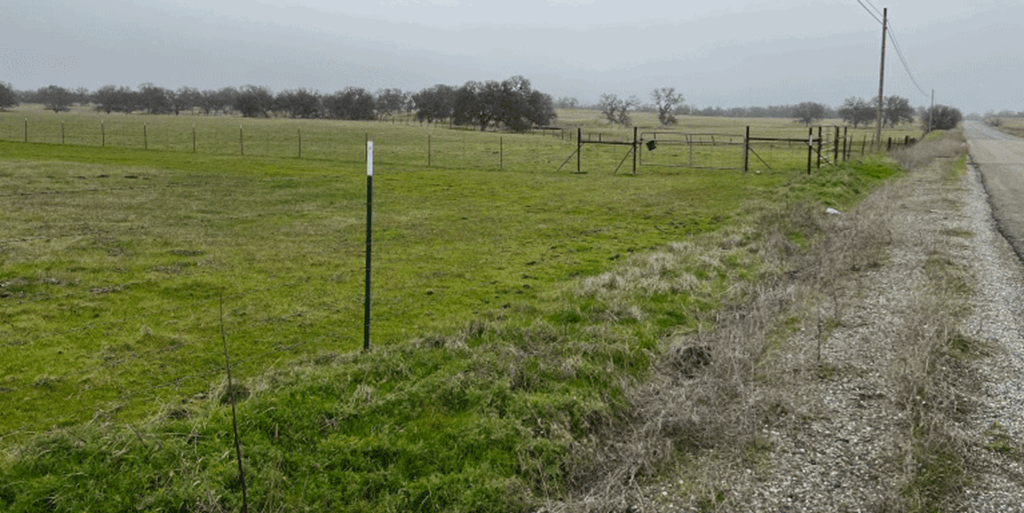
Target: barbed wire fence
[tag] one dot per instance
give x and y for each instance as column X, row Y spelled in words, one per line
column 436, row 145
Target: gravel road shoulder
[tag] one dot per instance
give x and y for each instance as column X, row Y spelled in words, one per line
column 997, row 317
column 844, row 447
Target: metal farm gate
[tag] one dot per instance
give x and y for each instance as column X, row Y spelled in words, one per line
column 724, row 151
column 698, row 150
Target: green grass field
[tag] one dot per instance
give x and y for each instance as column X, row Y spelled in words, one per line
column 402, row 142
column 486, row 366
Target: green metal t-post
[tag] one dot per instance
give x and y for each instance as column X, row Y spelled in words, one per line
column 369, row 242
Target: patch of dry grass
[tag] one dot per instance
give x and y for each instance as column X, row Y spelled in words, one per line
column 1013, row 126
column 945, row 148
column 716, row 390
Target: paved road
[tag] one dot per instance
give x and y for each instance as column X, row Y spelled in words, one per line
column 1000, row 157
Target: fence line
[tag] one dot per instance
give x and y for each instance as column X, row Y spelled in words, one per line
column 252, row 138
column 446, row 148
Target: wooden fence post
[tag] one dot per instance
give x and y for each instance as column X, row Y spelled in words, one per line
column 819, row 148
column 746, row 150
column 689, row 143
column 579, row 147
column 845, row 147
column 810, row 148
column 634, row 150
column 835, row 148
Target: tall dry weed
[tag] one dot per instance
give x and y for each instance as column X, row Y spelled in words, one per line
column 948, row 146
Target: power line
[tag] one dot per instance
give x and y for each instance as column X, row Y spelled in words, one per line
column 903, row 60
column 873, row 15
column 873, row 7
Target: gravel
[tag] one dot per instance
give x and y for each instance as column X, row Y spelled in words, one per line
column 844, row 449
column 997, row 317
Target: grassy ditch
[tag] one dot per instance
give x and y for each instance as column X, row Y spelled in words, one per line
column 698, row 432
column 501, row 403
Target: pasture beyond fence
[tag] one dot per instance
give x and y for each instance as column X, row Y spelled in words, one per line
column 442, row 146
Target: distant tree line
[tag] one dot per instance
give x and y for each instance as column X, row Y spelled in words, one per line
column 854, row 111
column 668, row 104
column 510, row 104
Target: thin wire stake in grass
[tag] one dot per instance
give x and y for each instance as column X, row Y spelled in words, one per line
column 234, row 417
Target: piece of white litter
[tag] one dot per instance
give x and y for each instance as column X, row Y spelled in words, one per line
column 832, row 211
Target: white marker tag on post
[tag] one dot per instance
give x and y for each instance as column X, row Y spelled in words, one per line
column 369, row 158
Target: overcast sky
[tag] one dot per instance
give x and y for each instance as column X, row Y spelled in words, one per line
column 716, row 53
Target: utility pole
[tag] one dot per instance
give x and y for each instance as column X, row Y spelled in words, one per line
column 881, row 80
column 931, row 112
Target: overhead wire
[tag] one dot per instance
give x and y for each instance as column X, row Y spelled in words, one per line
column 903, row 60
column 875, row 13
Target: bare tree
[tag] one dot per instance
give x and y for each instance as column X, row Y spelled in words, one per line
column 567, row 102
column 857, row 111
column 615, row 109
column 666, row 100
